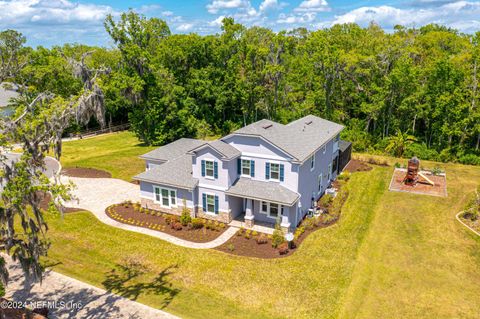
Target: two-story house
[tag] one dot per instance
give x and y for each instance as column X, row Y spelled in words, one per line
column 264, row 172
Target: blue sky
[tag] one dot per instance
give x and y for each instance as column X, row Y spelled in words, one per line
column 52, row 22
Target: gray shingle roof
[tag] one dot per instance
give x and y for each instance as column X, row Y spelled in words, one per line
column 173, row 150
column 299, row 138
column 176, row 172
column 272, row 192
column 7, row 94
column 226, row 150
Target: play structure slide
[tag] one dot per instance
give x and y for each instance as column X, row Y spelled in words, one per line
column 429, row 181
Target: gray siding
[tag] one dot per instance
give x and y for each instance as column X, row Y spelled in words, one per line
column 308, row 180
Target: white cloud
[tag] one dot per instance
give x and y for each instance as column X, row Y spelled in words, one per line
column 53, row 12
column 312, row 5
column 167, row 13
column 217, row 22
column 219, row 5
column 185, row 27
column 270, row 5
column 296, row 18
column 463, row 15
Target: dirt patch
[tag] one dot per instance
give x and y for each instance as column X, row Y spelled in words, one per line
column 133, row 214
column 85, row 172
column 242, row 245
column 357, row 166
column 439, row 189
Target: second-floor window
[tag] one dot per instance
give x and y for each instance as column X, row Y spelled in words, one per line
column 209, row 169
column 274, row 171
column 246, row 167
column 312, row 162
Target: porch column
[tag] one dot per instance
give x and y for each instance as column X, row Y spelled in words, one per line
column 249, row 218
column 285, row 224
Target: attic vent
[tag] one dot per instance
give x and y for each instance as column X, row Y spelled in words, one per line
column 309, row 122
column 266, row 127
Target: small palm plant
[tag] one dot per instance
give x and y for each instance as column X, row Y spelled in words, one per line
column 398, row 143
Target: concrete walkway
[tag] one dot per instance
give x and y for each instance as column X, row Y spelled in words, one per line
column 66, row 297
column 96, row 194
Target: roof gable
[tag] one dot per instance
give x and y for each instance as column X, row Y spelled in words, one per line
column 299, row 138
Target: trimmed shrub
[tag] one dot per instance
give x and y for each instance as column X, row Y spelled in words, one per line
column 197, row 223
column 177, row 226
column 261, row 239
column 185, row 218
column 283, row 248
column 344, row 176
column 231, row 247
column 298, row 232
column 308, row 223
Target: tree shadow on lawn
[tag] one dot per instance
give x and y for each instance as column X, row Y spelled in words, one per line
column 88, row 303
column 122, row 281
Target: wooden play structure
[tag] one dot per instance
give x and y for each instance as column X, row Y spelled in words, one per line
column 414, row 175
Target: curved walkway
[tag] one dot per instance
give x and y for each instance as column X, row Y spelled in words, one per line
column 473, row 230
column 96, row 194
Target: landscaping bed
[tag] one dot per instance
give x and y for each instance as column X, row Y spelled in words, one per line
column 196, row 230
column 253, row 244
column 471, row 215
column 85, row 172
column 356, row 165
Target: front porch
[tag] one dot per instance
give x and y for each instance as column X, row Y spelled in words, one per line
column 264, row 204
column 261, row 227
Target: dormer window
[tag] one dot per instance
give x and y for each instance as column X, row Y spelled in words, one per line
column 209, row 171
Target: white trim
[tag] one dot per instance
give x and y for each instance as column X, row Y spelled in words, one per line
column 249, row 167
column 155, row 187
column 229, row 136
column 214, row 187
column 213, row 168
column 263, row 156
column 280, row 209
column 270, row 172
column 320, row 183
column 206, row 203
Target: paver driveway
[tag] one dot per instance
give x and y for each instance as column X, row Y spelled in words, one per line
column 96, row 194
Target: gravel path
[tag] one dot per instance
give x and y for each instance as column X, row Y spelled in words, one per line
column 96, row 194
column 66, row 297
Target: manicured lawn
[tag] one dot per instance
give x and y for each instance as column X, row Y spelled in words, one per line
column 390, row 255
column 117, row 153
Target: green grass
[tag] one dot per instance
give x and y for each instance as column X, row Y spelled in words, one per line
column 390, row 255
column 116, row 153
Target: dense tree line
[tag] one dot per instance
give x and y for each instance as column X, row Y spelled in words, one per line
column 413, row 91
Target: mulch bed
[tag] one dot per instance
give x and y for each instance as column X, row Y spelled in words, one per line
column 439, row 189
column 45, row 200
column 240, row 245
column 85, row 172
column 150, row 219
column 357, row 166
